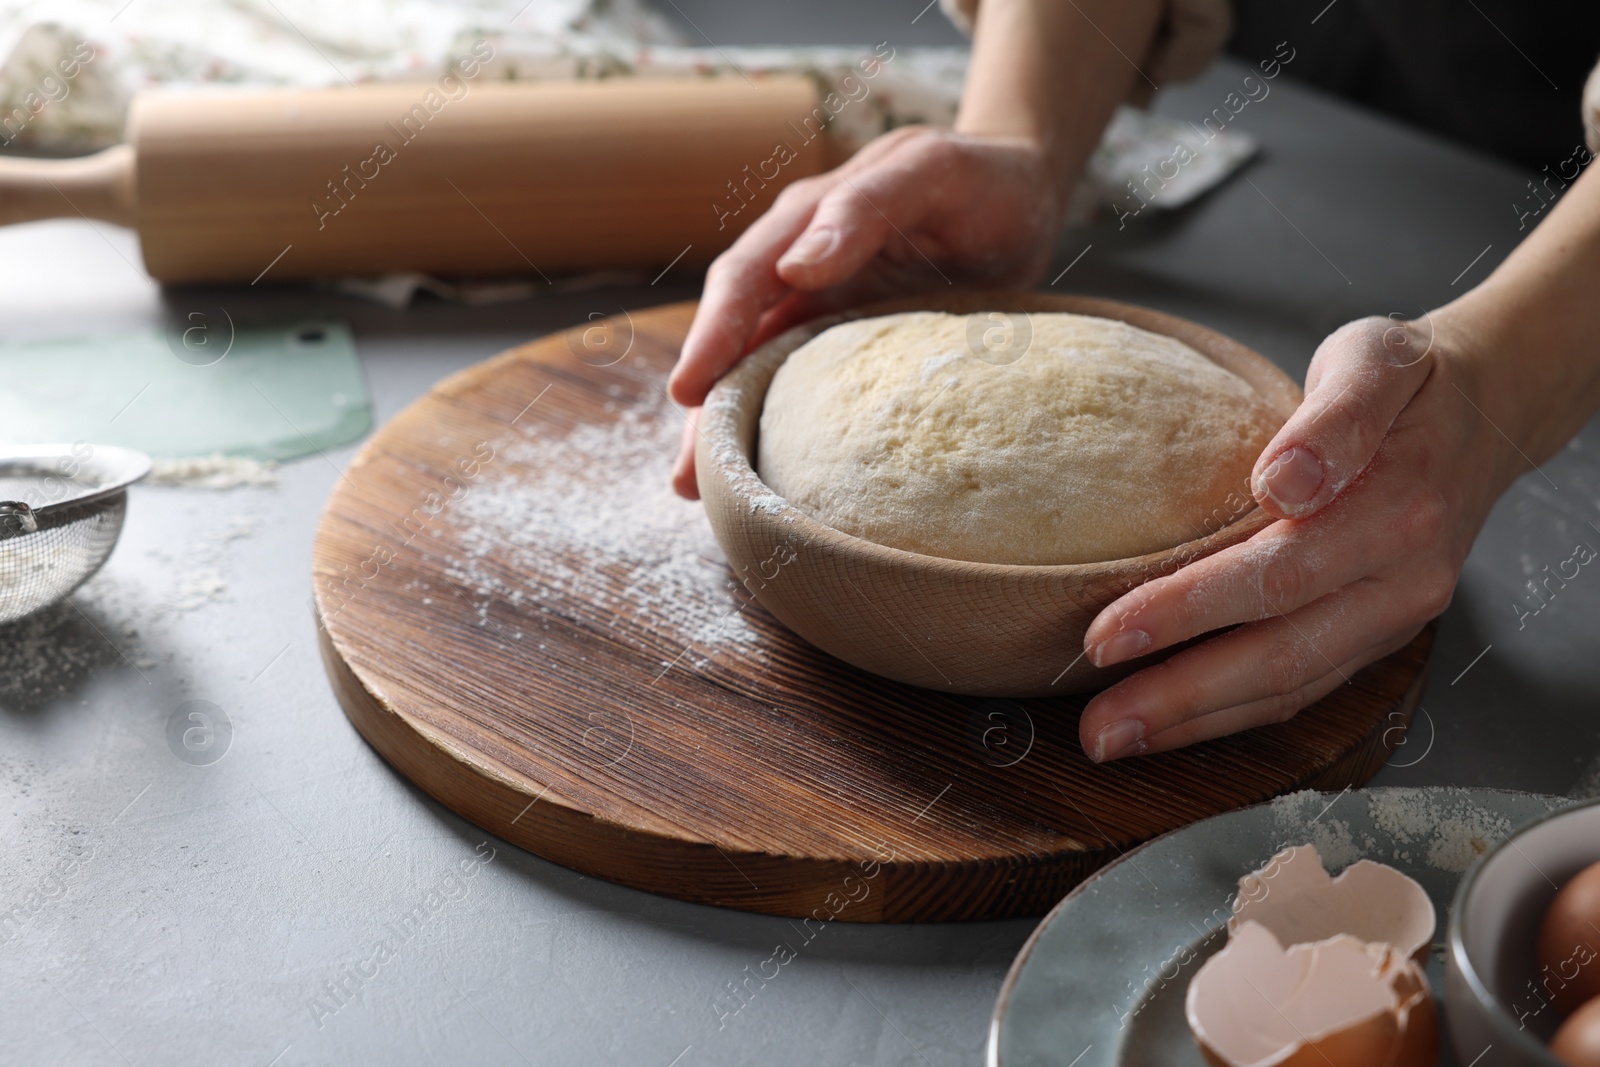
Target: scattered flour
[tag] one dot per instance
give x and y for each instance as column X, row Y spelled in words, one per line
column 719, row 433
column 197, row 588
column 215, row 471
column 49, row 654
column 1335, row 844
column 1305, row 818
column 197, row 568
column 1450, row 831
column 586, row 525
column 1441, row 827
column 771, row 503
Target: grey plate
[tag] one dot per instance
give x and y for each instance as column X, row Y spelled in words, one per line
column 1102, row 980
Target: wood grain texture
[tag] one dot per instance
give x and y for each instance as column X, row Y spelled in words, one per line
column 963, row 627
column 567, row 713
column 99, row 186
column 508, row 179
column 481, row 179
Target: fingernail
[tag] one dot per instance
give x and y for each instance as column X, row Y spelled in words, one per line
column 1291, row 480
column 1125, row 738
column 813, row 247
column 1119, row 646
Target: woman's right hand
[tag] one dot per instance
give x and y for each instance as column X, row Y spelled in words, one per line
column 919, row 208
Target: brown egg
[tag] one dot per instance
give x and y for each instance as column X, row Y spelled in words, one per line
column 1577, row 1043
column 1569, row 943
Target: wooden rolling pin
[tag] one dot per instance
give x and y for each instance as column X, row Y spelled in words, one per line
column 523, row 179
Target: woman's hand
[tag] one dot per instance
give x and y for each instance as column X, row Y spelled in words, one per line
column 923, row 208
column 919, row 208
column 1380, row 481
column 1408, row 434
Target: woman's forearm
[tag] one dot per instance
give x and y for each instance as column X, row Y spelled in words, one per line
column 1532, row 329
column 1053, row 71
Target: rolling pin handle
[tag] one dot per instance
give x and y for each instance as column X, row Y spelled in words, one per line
column 100, row 186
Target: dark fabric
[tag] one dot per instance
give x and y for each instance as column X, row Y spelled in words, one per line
column 1503, row 75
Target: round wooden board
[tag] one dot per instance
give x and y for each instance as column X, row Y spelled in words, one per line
column 517, row 614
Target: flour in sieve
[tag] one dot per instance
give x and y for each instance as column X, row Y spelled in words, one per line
column 590, row 518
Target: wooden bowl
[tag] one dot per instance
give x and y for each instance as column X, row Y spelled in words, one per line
column 979, row 628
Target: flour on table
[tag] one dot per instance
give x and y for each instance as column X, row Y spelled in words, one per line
column 591, row 520
column 198, row 567
column 215, row 471
column 41, row 661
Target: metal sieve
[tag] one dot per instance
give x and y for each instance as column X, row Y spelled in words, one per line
column 61, row 509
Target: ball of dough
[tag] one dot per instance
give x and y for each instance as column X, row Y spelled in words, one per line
column 1100, row 442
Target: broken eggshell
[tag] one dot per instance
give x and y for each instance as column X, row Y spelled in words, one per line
column 1296, row 898
column 1339, row 1002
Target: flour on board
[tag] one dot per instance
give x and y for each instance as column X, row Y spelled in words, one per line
column 589, row 518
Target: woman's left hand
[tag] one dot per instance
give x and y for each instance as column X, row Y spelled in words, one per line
column 1380, row 482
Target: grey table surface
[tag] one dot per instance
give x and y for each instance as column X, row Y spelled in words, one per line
column 184, row 914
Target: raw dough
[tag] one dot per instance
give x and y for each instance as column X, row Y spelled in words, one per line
column 1100, row 442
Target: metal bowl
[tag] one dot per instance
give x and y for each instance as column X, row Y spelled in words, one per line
column 1496, row 1017
column 61, row 510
